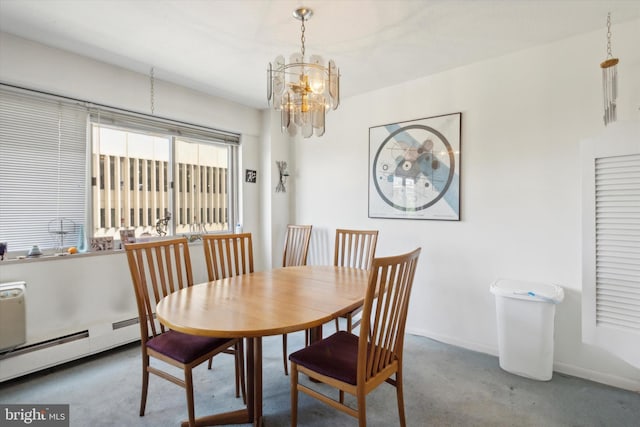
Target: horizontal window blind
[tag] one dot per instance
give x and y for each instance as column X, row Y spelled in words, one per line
column 617, row 215
column 43, row 168
column 108, row 117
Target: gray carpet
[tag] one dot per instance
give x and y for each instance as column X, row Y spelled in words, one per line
column 444, row 386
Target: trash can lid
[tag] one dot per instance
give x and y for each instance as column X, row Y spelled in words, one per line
column 518, row 289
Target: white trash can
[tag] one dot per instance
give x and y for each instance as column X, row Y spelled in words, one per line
column 525, row 315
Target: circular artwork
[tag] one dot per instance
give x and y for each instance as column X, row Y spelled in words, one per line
column 413, row 167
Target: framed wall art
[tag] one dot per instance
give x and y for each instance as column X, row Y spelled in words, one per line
column 414, row 169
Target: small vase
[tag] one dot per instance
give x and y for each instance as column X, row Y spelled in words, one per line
column 82, row 241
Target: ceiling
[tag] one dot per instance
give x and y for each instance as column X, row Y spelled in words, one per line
column 223, row 47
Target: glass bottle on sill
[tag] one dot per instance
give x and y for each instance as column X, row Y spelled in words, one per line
column 82, row 240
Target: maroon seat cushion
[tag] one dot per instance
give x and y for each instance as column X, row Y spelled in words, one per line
column 335, row 356
column 184, row 348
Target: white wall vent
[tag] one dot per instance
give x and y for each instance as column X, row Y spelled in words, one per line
column 611, row 241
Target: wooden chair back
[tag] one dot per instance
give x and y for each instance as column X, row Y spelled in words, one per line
column 157, row 269
column 384, row 314
column 227, row 255
column 296, row 245
column 355, row 248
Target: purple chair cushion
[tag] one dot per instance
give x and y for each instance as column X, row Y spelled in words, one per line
column 184, row 348
column 335, row 356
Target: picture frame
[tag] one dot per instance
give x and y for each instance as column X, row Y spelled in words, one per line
column 414, row 169
column 251, row 176
column 127, row 236
column 104, row 243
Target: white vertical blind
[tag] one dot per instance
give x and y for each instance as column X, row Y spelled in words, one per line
column 42, row 169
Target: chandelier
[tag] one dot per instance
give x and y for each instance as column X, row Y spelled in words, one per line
column 303, row 91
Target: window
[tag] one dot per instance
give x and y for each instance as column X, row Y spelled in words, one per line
column 148, row 158
column 107, row 170
column 133, row 157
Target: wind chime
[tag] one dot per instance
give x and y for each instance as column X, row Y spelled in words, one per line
column 609, row 79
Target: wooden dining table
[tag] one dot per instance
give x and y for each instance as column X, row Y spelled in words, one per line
column 255, row 305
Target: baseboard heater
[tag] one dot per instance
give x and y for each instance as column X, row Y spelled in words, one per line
column 125, row 323
column 46, row 344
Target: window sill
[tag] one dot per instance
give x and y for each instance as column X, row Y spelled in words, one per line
column 14, row 259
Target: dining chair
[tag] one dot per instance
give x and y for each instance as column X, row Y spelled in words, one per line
column 228, row 255
column 296, row 249
column 358, row 364
column 157, row 269
column 354, row 248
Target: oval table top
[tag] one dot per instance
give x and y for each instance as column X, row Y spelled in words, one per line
column 270, row 302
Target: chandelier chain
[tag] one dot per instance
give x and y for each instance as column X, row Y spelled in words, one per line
column 302, row 39
column 152, row 90
column 609, row 55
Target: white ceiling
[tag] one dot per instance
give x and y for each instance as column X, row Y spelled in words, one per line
column 222, row 47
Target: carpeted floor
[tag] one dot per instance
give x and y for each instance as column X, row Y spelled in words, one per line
column 444, row 386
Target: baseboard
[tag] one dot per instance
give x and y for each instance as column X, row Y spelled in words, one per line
column 599, row 377
column 560, row 367
column 469, row 345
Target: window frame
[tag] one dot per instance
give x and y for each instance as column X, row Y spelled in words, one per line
column 174, row 131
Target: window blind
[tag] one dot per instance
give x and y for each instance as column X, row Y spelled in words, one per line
column 42, row 168
column 109, row 117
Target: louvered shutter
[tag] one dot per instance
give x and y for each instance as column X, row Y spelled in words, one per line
column 611, row 249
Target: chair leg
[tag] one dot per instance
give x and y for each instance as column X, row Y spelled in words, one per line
column 400, row 395
column 145, row 383
column 294, row 394
column 362, row 408
column 349, row 323
column 239, row 354
column 210, row 363
column 337, row 325
column 188, row 385
column 284, row 353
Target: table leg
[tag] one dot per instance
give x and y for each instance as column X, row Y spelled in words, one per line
column 253, row 412
column 258, row 420
column 315, row 334
column 250, row 362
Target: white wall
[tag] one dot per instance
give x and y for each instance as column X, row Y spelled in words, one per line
column 523, row 117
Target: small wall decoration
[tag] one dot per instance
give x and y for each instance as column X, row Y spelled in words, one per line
column 128, row 236
column 414, row 169
column 101, row 243
column 284, row 174
column 250, row 176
